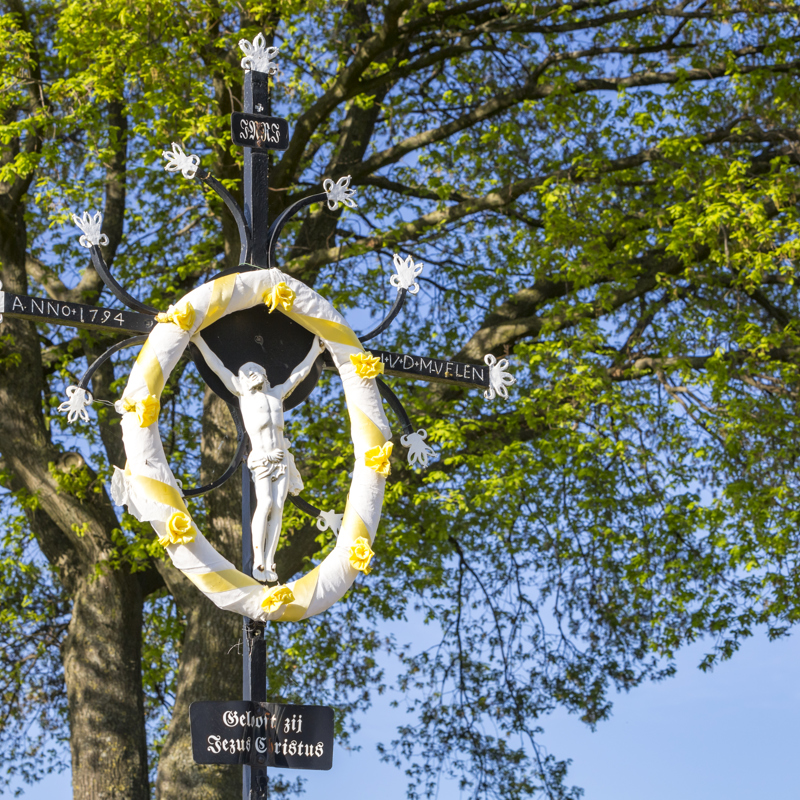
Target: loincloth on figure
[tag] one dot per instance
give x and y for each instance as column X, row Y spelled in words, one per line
column 261, row 468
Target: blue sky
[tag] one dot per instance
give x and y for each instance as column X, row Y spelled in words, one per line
column 730, row 734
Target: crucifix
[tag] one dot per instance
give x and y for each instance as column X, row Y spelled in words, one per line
column 260, row 339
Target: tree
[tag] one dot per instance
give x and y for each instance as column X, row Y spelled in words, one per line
column 605, row 190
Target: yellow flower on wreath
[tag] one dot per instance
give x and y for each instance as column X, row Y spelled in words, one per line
column 280, row 295
column 180, row 530
column 276, row 597
column 181, row 315
column 377, row 458
column 146, row 410
column 367, row 365
column 361, row 554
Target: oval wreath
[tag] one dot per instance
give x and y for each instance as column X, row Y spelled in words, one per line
column 151, row 493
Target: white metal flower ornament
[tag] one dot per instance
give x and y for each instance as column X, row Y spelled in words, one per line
column 339, row 192
column 499, row 377
column 329, row 519
column 75, row 404
column 90, row 225
column 407, row 274
column 178, row 160
column 418, row 452
column 257, row 56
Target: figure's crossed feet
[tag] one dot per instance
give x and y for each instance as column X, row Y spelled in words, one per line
column 262, row 574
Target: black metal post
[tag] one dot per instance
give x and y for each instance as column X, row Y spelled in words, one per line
column 256, row 214
column 254, row 779
column 256, row 172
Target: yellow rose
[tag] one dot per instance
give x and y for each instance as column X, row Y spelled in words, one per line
column 361, row 554
column 147, row 410
column 367, row 366
column 180, row 530
column 281, row 295
column 377, row 458
column 182, row 316
column 276, row 596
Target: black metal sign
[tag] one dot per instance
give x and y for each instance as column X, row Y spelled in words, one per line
column 78, row 315
column 433, row 369
column 260, row 132
column 262, row 734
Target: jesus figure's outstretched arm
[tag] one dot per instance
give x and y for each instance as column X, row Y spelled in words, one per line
column 302, row 369
column 216, row 366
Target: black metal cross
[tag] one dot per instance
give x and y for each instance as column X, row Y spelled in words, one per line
column 238, row 337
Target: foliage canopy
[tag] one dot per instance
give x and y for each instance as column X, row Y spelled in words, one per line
column 606, row 191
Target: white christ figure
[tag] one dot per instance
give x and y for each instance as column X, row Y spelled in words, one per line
column 274, row 472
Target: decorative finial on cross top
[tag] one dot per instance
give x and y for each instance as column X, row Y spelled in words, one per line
column 90, row 227
column 258, row 57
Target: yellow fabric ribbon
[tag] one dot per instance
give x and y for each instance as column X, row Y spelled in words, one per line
column 222, row 581
column 364, row 432
column 221, row 293
column 303, row 591
column 147, row 362
column 159, row 491
column 353, row 527
column 331, row 331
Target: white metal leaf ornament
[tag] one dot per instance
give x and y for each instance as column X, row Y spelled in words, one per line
column 419, row 453
column 75, row 404
column 329, row 519
column 407, row 274
column 499, row 377
column 339, row 192
column 257, row 56
column 90, row 225
column 178, row 160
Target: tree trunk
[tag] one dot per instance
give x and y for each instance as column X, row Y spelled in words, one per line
column 102, row 669
column 211, row 656
column 102, row 652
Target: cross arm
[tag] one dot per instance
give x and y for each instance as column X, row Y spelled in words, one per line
column 76, row 315
column 236, row 212
column 115, row 288
column 405, row 365
column 79, row 315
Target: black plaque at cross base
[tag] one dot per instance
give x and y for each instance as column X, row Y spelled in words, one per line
column 262, row 734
